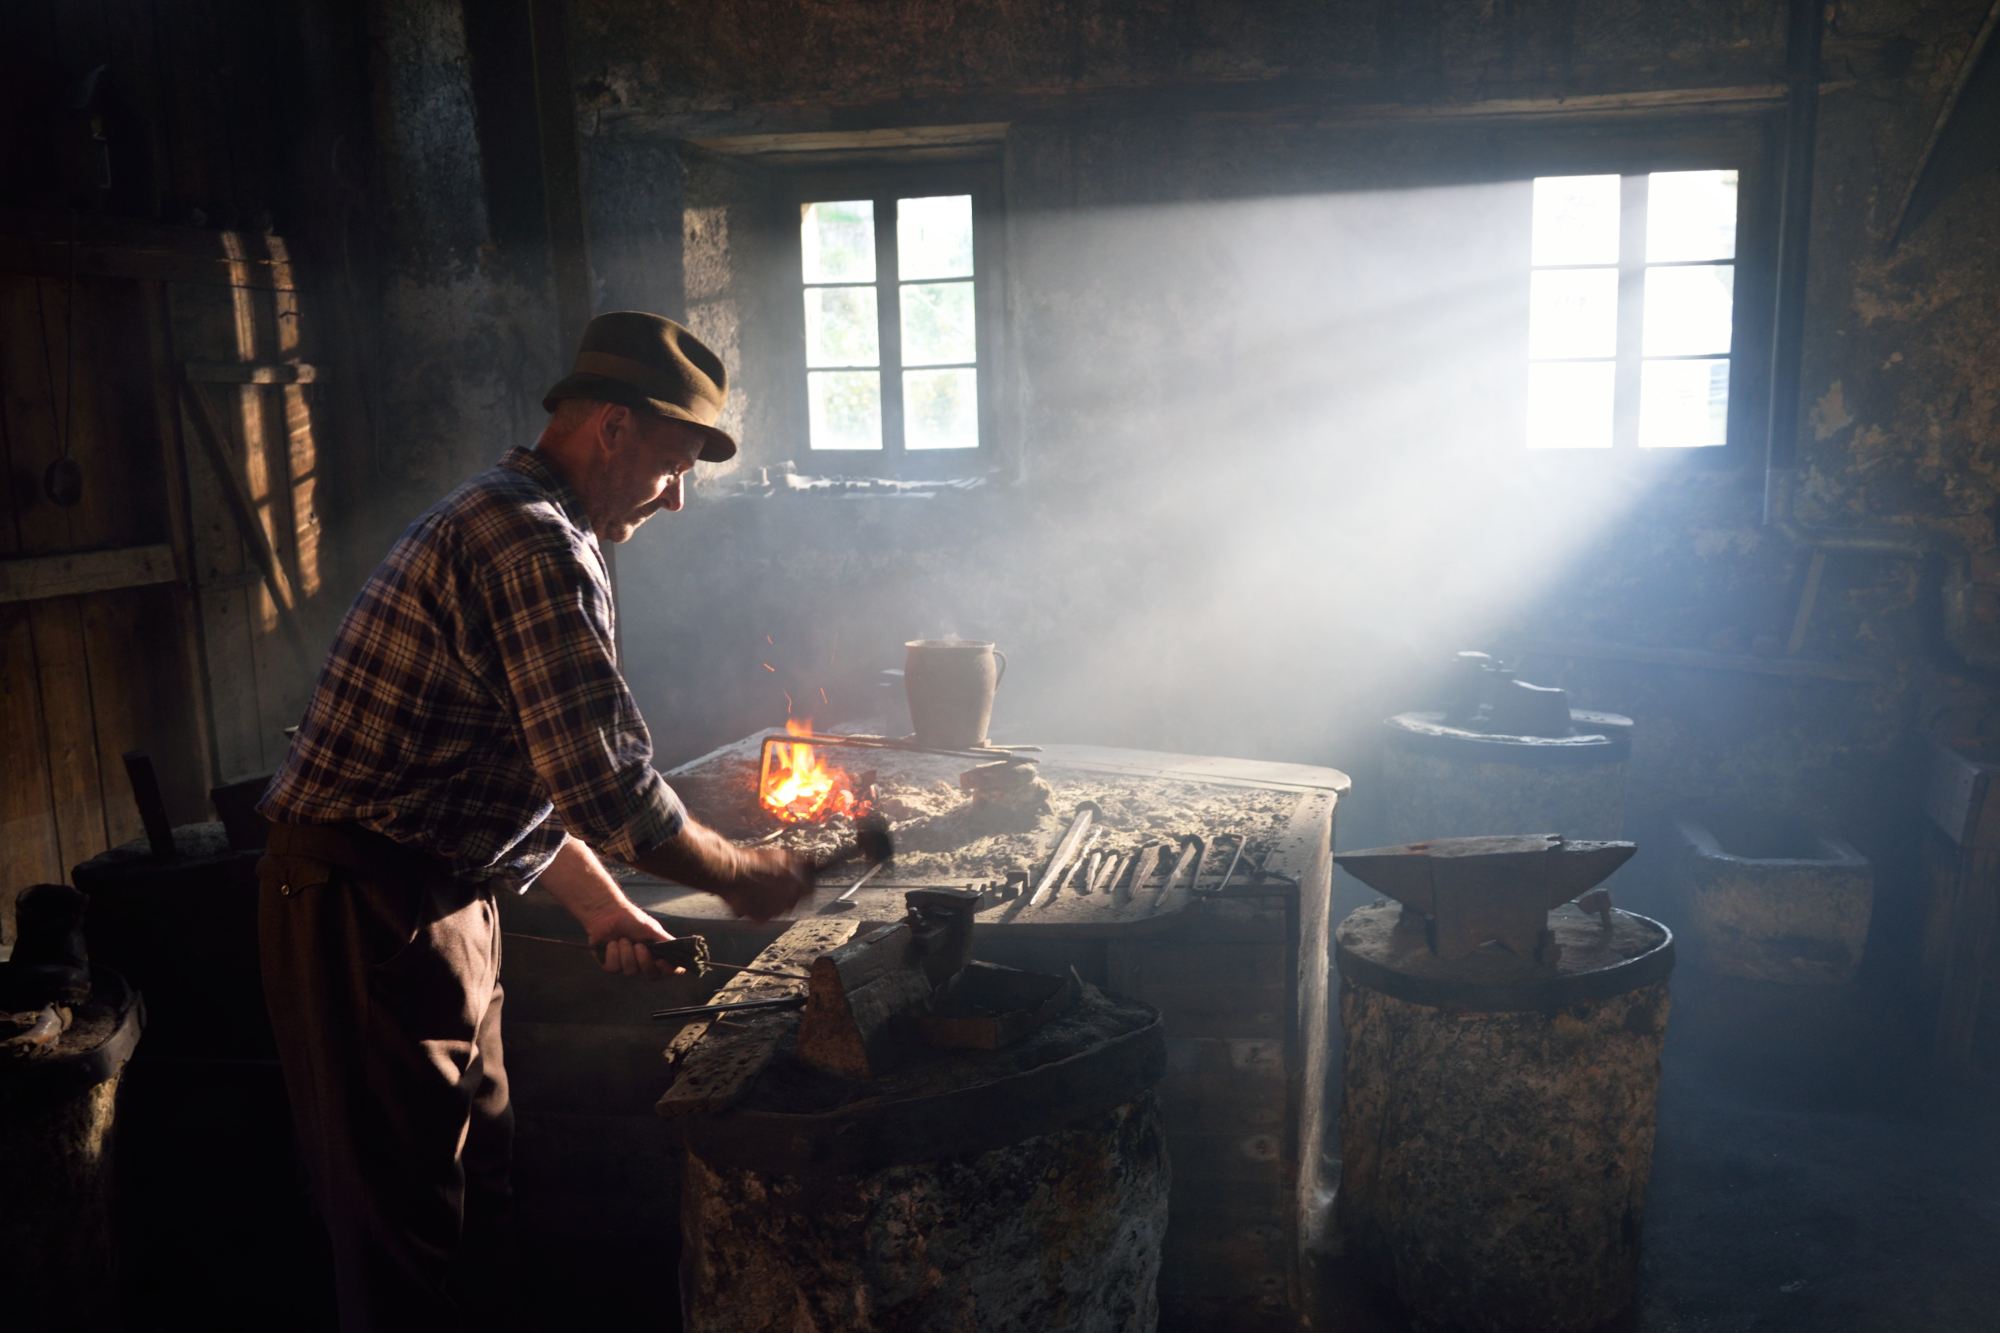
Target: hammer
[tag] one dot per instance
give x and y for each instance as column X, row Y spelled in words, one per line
column 872, row 844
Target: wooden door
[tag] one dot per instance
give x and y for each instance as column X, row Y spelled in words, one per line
column 161, row 611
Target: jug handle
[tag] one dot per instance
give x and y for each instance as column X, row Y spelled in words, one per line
column 1003, row 668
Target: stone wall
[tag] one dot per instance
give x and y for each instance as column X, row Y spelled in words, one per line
column 1246, row 501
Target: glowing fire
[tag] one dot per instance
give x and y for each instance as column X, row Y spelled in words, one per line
column 798, row 787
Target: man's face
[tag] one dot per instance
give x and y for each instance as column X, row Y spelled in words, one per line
column 642, row 463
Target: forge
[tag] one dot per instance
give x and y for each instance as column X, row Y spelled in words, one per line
column 1199, row 887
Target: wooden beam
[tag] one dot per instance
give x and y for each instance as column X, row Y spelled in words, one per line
column 1954, row 137
column 244, row 509
column 908, row 136
column 73, row 573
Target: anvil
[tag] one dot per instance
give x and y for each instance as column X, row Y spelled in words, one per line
column 1480, row 889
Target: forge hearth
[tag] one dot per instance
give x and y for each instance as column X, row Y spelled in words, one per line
column 1239, row 976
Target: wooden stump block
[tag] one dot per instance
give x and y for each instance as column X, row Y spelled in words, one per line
column 57, row 1122
column 1497, row 1118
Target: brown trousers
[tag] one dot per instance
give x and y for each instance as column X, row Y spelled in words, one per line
column 382, row 975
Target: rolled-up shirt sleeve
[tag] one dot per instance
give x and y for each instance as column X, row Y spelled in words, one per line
column 552, row 626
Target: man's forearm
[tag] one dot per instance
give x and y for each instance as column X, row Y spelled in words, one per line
column 579, row 881
column 759, row 883
column 698, row 857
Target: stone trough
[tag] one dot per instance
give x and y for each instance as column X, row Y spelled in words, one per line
column 1770, row 900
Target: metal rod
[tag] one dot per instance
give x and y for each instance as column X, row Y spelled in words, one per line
column 1241, row 842
column 733, row 1006
column 1142, row 870
column 846, row 898
column 909, row 747
column 1064, row 850
column 1076, row 863
column 585, row 944
column 1188, row 847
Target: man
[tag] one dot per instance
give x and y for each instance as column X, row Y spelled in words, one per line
column 470, row 734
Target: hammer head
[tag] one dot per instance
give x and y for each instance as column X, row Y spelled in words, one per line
column 872, row 841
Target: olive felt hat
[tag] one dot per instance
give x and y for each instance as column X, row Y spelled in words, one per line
column 651, row 364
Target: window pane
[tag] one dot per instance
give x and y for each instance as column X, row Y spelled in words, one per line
column 1573, row 312
column 1569, row 404
column 937, row 324
column 1690, row 215
column 1687, row 309
column 841, row 329
column 846, row 408
column 1576, row 220
column 941, row 409
column 1683, row 404
column 934, row 237
column 837, row 241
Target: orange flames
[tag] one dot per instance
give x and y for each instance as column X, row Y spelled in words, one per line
column 797, row 786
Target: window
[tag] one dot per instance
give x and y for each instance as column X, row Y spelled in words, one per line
column 902, row 370
column 896, row 296
column 1630, row 300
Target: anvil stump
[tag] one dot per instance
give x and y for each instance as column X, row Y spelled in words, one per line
column 1497, row 1118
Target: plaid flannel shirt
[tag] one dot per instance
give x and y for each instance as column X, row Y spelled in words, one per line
column 471, row 707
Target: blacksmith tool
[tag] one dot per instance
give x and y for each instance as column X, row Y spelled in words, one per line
column 1473, row 890
column 1065, row 849
column 1142, row 870
column 845, row 902
column 1006, row 891
column 872, row 844
column 1013, row 754
column 1082, row 855
column 688, row 953
column 734, row 1007
column 1192, row 847
column 1241, row 842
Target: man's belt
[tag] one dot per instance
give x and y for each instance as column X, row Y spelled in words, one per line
column 352, row 847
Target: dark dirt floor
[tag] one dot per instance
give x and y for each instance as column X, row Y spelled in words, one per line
column 1811, row 1175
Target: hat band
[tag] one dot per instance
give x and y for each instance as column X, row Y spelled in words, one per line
column 647, row 380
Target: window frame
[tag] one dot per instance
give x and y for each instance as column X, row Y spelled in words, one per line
column 981, row 180
column 1629, row 359
column 1751, row 147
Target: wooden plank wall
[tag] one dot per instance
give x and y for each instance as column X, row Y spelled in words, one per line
column 203, row 672
column 79, row 685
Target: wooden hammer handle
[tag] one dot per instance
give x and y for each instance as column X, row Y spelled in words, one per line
column 152, row 808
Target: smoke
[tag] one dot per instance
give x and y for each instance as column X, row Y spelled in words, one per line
column 1271, row 471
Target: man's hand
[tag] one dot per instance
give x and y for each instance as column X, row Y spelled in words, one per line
column 578, row 880
column 622, row 933
column 759, row 883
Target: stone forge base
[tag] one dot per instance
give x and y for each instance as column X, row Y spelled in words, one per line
column 1494, row 1164
column 1058, row 1232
